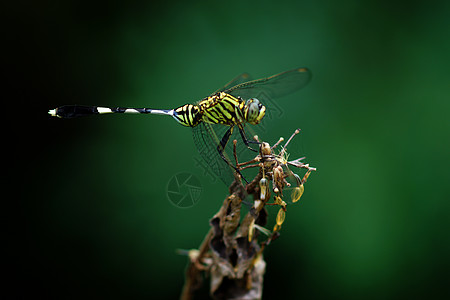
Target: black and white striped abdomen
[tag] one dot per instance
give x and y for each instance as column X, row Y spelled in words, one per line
column 187, row 115
column 73, row 111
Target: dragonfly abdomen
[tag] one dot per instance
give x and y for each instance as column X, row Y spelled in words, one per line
column 73, row 111
column 188, row 115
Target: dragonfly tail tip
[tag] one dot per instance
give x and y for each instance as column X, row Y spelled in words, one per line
column 52, row 112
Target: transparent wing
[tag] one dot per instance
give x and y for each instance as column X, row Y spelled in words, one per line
column 244, row 77
column 274, row 86
column 268, row 90
column 207, row 137
column 206, row 140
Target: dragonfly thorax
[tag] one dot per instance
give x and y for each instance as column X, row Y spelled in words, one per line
column 221, row 108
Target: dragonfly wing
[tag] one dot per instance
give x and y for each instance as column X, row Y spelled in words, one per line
column 206, row 139
column 274, row 86
column 268, row 90
column 244, row 77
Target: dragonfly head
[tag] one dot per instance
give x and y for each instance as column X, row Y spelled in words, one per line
column 254, row 111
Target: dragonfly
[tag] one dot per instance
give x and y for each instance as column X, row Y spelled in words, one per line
column 215, row 118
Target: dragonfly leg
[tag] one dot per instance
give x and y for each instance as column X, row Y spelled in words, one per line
column 221, row 149
column 246, row 141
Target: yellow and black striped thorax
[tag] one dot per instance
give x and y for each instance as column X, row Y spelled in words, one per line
column 220, row 108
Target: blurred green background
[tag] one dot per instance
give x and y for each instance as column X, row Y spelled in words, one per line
column 93, row 219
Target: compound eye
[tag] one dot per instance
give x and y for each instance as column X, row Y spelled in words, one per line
column 254, row 109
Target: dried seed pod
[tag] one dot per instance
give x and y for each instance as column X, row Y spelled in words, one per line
column 278, row 179
column 251, row 230
column 297, row 193
column 264, row 188
column 278, row 173
column 265, row 149
column 281, row 216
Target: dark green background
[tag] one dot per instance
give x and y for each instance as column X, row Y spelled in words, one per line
column 93, row 219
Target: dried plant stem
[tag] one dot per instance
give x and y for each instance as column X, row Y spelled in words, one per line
column 193, row 279
column 231, row 252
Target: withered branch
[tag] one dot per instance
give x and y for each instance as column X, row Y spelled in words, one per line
column 231, row 254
